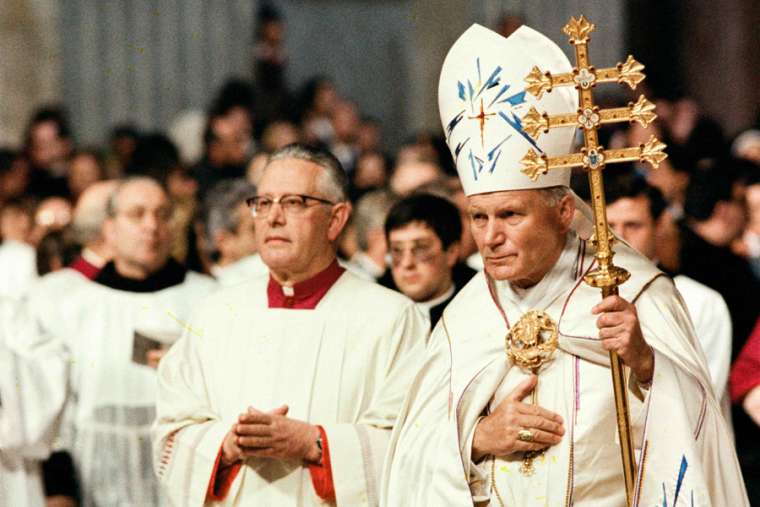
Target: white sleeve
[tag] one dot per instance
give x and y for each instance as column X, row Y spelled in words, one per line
column 33, row 380
column 358, row 451
column 713, row 328
column 187, row 434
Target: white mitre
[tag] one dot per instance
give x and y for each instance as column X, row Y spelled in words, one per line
column 482, row 99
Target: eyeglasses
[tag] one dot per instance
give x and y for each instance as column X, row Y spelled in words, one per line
column 421, row 253
column 292, row 204
column 137, row 214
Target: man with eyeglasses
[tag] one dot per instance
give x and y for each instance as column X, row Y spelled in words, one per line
column 116, row 328
column 283, row 390
column 423, row 233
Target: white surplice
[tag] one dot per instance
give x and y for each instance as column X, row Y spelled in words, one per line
column 345, row 365
column 32, row 394
column 240, row 271
column 682, row 441
column 712, row 325
column 18, row 269
column 112, row 399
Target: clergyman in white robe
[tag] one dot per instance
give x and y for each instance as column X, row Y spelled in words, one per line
column 682, row 443
column 32, row 394
column 345, row 365
column 111, row 404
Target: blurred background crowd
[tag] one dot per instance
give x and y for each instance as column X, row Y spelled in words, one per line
column 54, row 189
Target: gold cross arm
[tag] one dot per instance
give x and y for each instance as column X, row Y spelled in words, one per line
column 651, row 152
column 642, row 111
column 629, row 72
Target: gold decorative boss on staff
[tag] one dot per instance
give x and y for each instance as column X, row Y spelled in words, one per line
column 593, row 159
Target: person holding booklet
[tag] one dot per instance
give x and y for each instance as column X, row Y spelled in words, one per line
column 114, row 327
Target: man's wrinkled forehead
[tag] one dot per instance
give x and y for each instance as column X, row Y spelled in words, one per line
column 289, row 176
column 502, row 199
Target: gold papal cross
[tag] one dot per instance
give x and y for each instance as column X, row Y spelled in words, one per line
column 593, row 158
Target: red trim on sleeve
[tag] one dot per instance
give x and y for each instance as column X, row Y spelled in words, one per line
column 321, row 475
column 221, row 479
column 745, row 374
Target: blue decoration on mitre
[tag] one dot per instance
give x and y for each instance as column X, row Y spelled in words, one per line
column 482, row 99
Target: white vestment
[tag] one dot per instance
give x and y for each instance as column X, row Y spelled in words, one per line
column 18, row 269
column 32, row 394
column 682, row 441
column 111, row 404
column 712, row 325
column 345, row 365
column 240, row 271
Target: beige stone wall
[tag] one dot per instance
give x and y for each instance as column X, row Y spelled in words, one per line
column 29, row 63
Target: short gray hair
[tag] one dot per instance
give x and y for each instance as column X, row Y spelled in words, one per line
column 335, row 183
column 553, row 195
column 220, row 208
column 370, row 214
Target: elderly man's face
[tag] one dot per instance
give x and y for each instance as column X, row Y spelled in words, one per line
column 296, row 242
column 519, row 236
column 139, row 232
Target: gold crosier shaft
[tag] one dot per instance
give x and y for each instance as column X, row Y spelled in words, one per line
column 593, row 159
column 609, row 285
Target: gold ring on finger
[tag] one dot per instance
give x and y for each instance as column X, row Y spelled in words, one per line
column 525, row 436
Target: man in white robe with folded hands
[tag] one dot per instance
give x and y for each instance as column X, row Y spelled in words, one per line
column 478, row 429
column 284, row 389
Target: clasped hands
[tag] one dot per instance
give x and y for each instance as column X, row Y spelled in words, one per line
column 270, row 435
column 498, row 433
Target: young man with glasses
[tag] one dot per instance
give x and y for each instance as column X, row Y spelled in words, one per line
column 284, row 389
column 423, row 233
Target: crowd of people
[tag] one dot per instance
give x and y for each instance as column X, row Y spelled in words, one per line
column 108, row 250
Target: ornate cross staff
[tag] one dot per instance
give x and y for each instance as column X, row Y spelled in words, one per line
column 593, row 158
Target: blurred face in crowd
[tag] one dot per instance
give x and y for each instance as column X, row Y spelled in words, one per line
column 84, row 170
column 420, row 266
column 325, row 99
column 670, row 182
column 411, row 175
column 520, row 236
column 731, row 218
column 233, row 136
column 13, row 183
column 368, row 138
column 53, row 213
column 345, row 121
column 234, row 245
column 753, row 207
column 631, row 219
column 46, row 147
column 139, row 230
column 15, row 224
column 278, row 135
column 272, row 32
column 297, row 242
column 370, row 171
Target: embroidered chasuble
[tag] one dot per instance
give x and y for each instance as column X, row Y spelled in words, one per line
column 681, row 440
column 32, row 393
column 341, row 355
column 111, row 400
